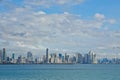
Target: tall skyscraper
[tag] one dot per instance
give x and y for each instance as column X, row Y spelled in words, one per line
column 13, row 56
column 29, row 57
column 66, row 58
column 79, row 58
column 86, row 59
column 19, row 60
column 0, row 56
column 4, row 55
column 47, row 61
column 92, row 58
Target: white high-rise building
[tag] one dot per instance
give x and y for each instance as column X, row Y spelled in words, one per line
column 92, row 58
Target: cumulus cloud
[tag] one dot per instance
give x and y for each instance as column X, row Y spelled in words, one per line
column 26, row 29
column 38, row 30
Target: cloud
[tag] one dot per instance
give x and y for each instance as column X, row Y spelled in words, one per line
column 99, row 16
column 46, row 3
column 26, row 29
column 36, row 30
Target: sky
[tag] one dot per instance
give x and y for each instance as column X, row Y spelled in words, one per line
column 60, row 25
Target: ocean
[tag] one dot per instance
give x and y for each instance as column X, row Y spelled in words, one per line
column 60, row 72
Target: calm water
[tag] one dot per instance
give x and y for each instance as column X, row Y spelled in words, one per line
column 60, row 72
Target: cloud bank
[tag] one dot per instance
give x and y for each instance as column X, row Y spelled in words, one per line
column 25, row 29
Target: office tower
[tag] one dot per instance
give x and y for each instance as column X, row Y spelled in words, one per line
column 13, row 56
column 7, row 60
column 51, row 60
column 60, row 55
column 29, row 57
column 92, row 58
column 19, row 60
column 4, row 55
column 55, row 58
column 79, row 58
column 12, row 60
column 74, row 59
column 43, row 59
column 47, row 61
column 86, row 58
column 0, row 56
column 66, row 58
column 60, row 58
column 23, row 60
column 63, row 59
column 36, row 60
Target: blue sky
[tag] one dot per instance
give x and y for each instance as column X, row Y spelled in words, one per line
column 61, row 25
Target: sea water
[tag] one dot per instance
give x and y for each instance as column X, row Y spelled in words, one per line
column 60, row 72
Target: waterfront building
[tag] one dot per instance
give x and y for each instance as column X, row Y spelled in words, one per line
column 86, row 59
column 63, row 59
column 23, row 60
column 79, row 58
column 7, row 60
column 36, row 60
column 29, row 57
column 55, row 58
column 4, row 56
column 13, row 56
column 47, row 60
column 60, row 58
column 19, row 60
column 0, row 56
column 43, row 59
column 66, row 58
column 74, row 59
column 92, row 58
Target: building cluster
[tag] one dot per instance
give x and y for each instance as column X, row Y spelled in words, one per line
column 54, row 58
column 89, row 58
column 109, row 61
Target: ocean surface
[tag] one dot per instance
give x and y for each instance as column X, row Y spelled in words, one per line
column 60, row 72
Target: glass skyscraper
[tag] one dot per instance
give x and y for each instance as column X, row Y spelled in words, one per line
column 47, row 61
column 4, row 55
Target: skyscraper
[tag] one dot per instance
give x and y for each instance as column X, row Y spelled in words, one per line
column 13, row 56
column 79, row 58
column 4, row 55
column 66, row 58
column 19, row 60
column 92, row 58
column 29, row 57
column 86, row 57
column 0, row 56
column 47, row 61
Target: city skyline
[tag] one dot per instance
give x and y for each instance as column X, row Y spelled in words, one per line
column 56, row 58
column 61, row 25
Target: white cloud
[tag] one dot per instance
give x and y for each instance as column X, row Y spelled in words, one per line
column 99, row 16
column 26, row 29
column 48, row 3
column 41, row 12
column 49, row 30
